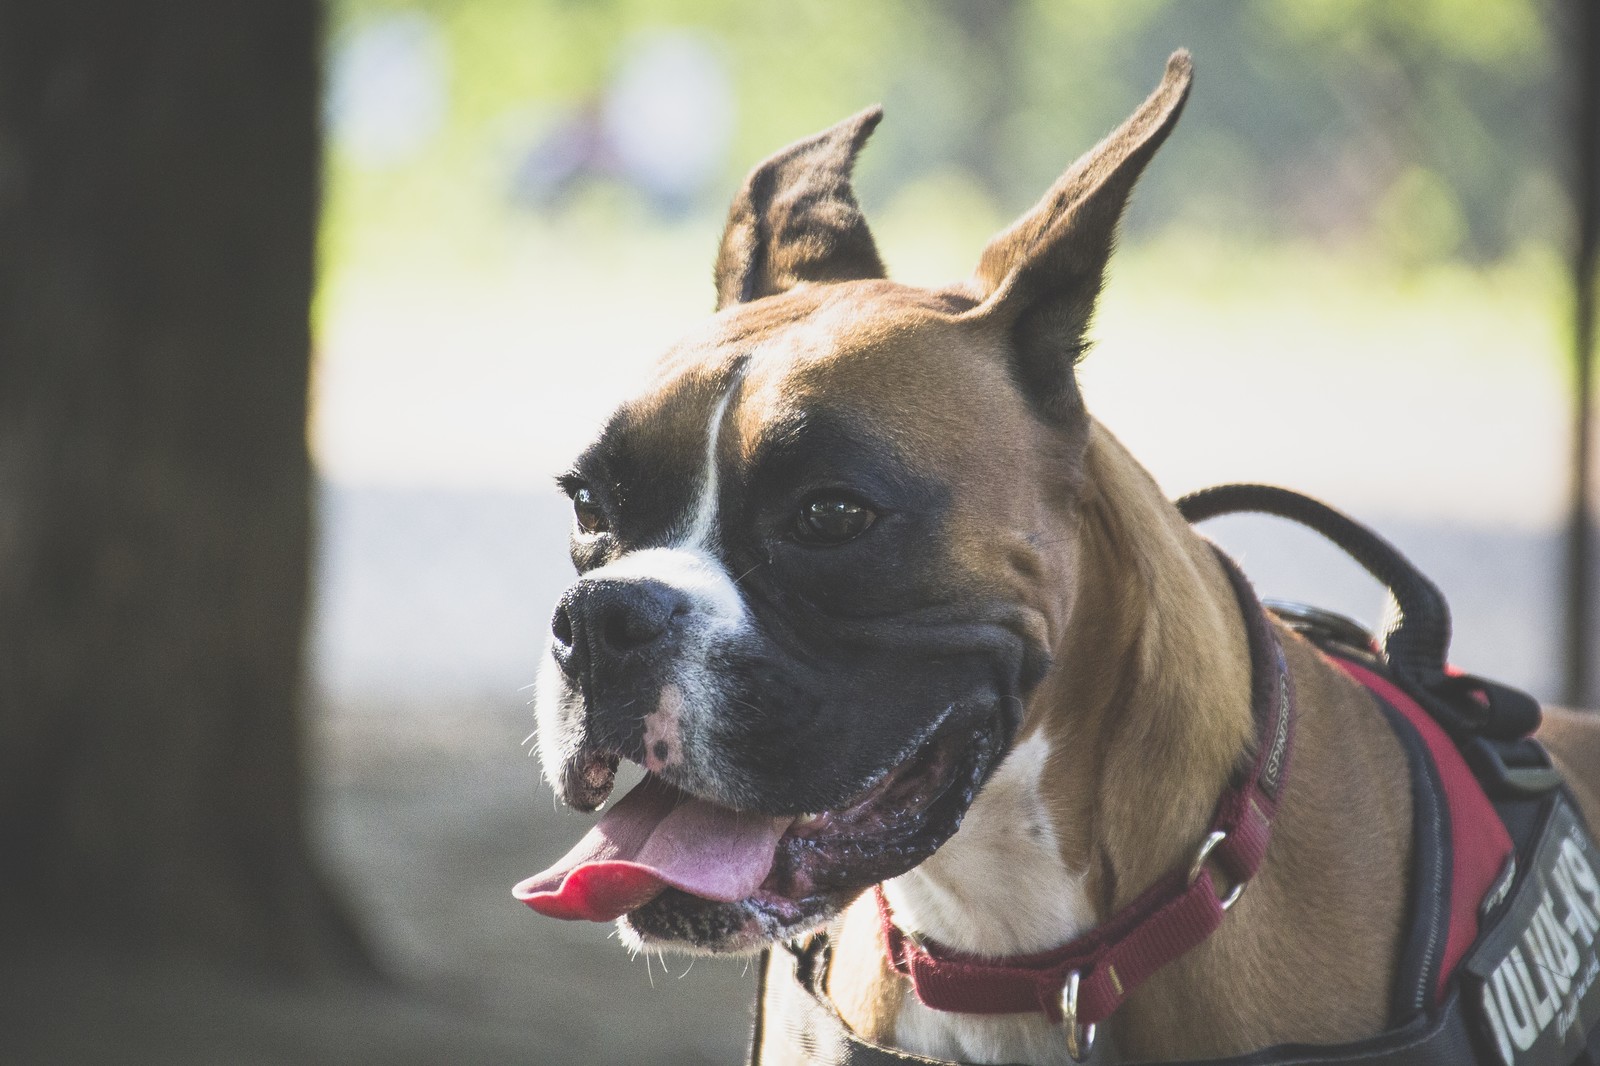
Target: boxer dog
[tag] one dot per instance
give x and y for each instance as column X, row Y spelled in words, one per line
column 874, row 600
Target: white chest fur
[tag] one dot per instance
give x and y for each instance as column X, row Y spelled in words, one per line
column 998, row 887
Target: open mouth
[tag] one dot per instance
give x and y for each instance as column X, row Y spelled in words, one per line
column 690, row 871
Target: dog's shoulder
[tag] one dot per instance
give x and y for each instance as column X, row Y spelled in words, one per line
column 1573, row 738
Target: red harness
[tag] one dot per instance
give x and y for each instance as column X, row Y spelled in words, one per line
column 1479, row 843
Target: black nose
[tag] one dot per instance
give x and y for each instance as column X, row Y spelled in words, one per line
column 609, row 625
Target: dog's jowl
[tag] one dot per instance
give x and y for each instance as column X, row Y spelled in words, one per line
column 934, row 690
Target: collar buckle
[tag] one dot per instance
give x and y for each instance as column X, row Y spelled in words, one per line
column 1080, row 1041
column 1209, row 845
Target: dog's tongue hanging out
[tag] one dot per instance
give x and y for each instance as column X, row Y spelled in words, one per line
column 656, row 838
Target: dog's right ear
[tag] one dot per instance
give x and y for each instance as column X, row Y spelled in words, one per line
column 796, row 219
column 1041, row 277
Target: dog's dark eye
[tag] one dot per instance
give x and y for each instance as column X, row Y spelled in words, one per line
column 832, row 520
column 586, row 510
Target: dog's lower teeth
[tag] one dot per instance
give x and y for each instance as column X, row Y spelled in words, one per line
column 810, row 821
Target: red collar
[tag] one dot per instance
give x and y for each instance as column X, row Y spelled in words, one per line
column 1101, row 968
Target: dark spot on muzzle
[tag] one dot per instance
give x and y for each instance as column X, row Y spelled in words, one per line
column 617, row 641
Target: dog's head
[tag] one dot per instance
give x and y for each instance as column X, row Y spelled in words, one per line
column 824, row 555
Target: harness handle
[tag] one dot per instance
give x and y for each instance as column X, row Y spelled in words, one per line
column 1416, row 641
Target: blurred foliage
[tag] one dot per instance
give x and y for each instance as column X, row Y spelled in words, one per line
column 1419, row 130
column 1377, row 180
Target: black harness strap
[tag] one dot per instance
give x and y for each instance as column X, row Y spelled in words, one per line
column 1428, row 910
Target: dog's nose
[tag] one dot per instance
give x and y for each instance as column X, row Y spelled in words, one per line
column 603, row 625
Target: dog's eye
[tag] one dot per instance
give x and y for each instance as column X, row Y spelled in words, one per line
column 586, row 510
column 832, row 520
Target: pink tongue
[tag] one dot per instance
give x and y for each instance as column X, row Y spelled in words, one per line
column 656, row 837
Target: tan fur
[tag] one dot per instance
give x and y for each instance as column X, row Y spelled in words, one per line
column 1146, row 708
column 865, row 991
column 1150, row 711
column 1153, row 672
column 1573, row 738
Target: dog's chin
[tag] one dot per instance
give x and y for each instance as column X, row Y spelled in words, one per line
column 824, row 862
column 681, row 922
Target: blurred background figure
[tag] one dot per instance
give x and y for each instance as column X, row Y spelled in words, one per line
column 662, row 129
column 1351, row 271
column 387, row 89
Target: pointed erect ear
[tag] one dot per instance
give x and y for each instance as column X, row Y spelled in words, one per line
column 796, row 219
column 1042, row 276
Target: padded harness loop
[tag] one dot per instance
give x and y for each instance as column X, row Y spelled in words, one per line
column 1417, row 644
column 1419, row 640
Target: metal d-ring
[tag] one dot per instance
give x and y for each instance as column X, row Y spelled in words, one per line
column 1077, row 1048
column 1216, row 837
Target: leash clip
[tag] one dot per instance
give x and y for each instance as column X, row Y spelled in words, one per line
column 1216, row 837
column 1077, row 1048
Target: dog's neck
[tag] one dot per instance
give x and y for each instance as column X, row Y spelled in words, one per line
column 1149, row 706
column 1127, row 744
column 1151, row 684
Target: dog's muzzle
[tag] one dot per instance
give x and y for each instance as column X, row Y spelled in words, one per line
column 609, row 631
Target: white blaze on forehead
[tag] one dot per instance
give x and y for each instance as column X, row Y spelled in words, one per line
column 717, row 615
column 690, row 564
column 702, row 531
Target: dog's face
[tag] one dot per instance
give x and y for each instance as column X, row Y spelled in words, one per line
column 823, row 556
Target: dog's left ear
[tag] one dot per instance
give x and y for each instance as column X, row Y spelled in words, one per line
column 1042, row 276
column 796, row 219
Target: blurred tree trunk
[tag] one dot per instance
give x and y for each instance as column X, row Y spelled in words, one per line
column 1582, row 54
column 159, row 167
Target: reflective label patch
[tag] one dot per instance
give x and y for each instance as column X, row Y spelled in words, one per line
column 1272, row 766
column 1533, row 982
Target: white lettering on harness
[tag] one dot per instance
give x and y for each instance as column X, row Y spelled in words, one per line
column 1541, row 981
column 1573, row 874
